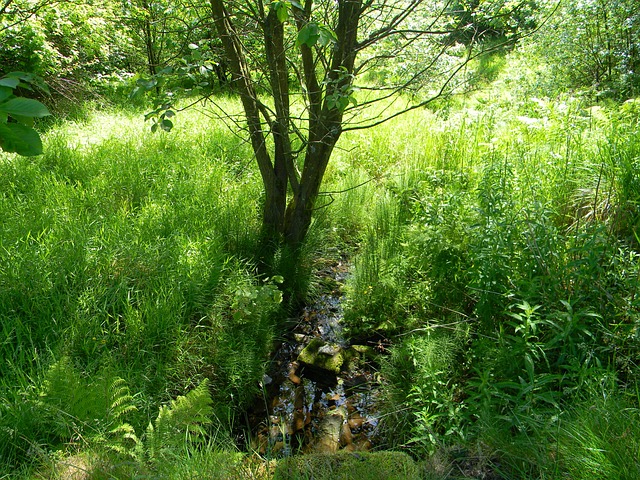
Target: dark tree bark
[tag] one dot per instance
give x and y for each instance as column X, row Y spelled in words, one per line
column 283, row 183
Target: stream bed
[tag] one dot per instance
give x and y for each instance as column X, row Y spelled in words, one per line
column 320, row 392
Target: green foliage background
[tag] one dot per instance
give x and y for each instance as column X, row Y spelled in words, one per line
column 494, row 241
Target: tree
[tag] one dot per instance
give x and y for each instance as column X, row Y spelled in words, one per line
column 595, row 44
column 155, row 26
column 294, row 66
column 513, row 20
column 69, row 43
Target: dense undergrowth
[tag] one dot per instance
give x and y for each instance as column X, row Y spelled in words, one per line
column 501, row 262
column 495, row 249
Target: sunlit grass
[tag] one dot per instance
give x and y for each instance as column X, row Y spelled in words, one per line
column 489, row 201
column 122, row 250
column 132, row 255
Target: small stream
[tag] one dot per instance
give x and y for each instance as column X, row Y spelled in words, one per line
column 320, row 393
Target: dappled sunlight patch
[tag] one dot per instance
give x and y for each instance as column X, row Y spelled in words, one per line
column 76, row 467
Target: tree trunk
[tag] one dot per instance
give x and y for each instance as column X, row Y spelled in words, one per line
column 325, row 120
column 279, row 173
column 275, row 189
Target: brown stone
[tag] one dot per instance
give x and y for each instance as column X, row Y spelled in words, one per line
column 328, row 437
column 355, row 420
column 345, row 435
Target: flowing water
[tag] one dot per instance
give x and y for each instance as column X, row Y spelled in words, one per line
column 307, row 407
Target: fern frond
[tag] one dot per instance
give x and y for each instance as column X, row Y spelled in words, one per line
column 119, row 436
column 180, row 424
column 120, row 400
column 122, row 439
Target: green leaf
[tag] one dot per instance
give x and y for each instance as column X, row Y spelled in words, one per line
column 331, row 102
column 528, row 364
column 28, row 121
column 147, row 84
column 9, row 82
column 343, row 102
column 25, row 107
column 28, row 79
column 166, row 125
column 20, row 139
column 283, row 13
column 298, row 5
column 326, row 36
column 136, row 92
column 282, row 10
column 5, row 92
column 308, row 35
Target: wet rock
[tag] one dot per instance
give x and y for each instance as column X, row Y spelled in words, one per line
column 366, row 351
column 260, row 443
column 300, row 338
column 346, row 438
column 357, row 382
column 277, row 448
column 363, row 444
column 329, row 349
column 315, row 354
column 293, row 367
column 355, row 420
column 299, row 414
column 275, row 433
column 329, row 430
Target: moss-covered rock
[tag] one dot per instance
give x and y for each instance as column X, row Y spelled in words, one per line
column 364, row 353
column 334, row 358
column 348, row 466
column 323, row 355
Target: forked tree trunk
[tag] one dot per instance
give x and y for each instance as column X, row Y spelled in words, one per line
column 281, row 222
column 325, row 120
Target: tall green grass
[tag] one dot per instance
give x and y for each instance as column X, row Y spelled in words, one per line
column 128, row 252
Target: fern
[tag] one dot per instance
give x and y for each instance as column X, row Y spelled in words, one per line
column 120, row 400
column 63, row 398
column 180, row 425
column 94, row 411
column 119, row 436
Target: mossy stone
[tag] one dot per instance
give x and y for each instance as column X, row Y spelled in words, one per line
column 348, row 466
column 366, row 351
column 311, row 355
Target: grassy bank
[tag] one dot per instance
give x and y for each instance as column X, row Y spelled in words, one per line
column 124, row 262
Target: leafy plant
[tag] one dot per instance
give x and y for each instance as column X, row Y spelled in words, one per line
column 91, row 411
column 179, row 426
column 421, row 411
column 17, row 115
